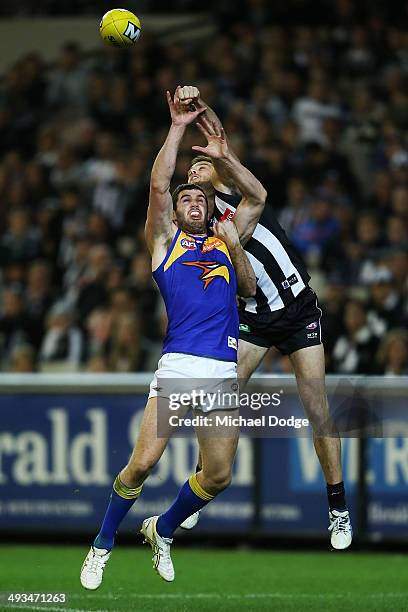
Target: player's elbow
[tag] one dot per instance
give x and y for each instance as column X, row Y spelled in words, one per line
column 259, row 196
column 248, row 289
column 158, row 185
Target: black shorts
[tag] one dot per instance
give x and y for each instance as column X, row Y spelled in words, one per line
column 294, row 327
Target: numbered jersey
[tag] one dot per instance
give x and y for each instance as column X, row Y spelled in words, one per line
column 198, row 283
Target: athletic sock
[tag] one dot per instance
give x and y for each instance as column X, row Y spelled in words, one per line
column 120, row 502
column 191, row 498
column 336, row 496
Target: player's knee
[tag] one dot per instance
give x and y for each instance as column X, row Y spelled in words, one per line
column 140, row 467
column 219, row 481
column 317, row 412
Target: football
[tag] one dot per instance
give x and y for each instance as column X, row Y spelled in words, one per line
column 120, row 28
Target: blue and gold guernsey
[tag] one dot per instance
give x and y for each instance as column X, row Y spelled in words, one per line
column 198, row 283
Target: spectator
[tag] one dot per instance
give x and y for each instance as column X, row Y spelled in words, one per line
column 67, row 87
column 62, row 345
column 14, row 325
column 386, row 307
column 99, row 329
column 310, row 111
column 392, row 354
column 21, row 241
column 38, row 298
column 23, row 359
column 93, row 291
column 353, row 351
column 313, row 235
column 127, row 354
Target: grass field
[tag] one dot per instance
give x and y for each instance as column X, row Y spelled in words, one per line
column 212, row 580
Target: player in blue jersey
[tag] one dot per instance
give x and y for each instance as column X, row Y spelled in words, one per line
column 199, row 276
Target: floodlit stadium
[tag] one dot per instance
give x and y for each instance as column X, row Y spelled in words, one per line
column 203, row 305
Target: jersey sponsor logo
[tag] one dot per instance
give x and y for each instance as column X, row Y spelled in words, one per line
column 132, row 32
column 187, row 243
column 291, row 280
column 210, row 270
column 312, row 335
column 232, row 342
column 244, row 328
column 211, row 245
column 312, row 325
column 228, row 214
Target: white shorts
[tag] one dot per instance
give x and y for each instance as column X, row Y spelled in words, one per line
column 211, row 383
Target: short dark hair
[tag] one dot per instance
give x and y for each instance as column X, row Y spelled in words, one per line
column 201, row 158
column 186, row 187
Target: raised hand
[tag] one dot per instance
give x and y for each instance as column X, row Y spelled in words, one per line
column 217, row 146
column 227, row 232
column 186, row 95
column 183, row 114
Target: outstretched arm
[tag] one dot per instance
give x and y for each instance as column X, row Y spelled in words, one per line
column 253, row 193
column 221, row 179
column 246, row 279
column 160, row 210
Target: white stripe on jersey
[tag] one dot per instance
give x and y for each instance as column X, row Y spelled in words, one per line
column 265, row 284
column 264, row 281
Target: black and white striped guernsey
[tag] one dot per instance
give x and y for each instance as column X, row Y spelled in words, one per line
column 280, row 272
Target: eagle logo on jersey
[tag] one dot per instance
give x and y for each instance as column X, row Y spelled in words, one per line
column 210, row 270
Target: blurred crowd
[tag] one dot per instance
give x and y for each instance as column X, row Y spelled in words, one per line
column 320, row 115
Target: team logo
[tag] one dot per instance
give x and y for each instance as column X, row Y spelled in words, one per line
column 291, row 280
column 187, row 243
column 228, row 214
column 312, row 325
column 211, row 245
column 210, row 270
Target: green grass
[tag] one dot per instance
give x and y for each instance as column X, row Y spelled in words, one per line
column 212, row 580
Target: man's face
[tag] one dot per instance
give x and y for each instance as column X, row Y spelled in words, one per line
column 201, row 172
column 191, row 211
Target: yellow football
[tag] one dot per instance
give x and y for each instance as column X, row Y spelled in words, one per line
column 120, row 28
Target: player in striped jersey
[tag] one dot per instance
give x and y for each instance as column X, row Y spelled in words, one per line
column 284, row 313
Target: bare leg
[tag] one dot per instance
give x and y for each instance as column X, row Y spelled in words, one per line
column 218, row 453
column 249, row 357
column 148, row 448
column 308, row 364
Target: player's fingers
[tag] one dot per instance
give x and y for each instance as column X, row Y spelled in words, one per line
column 169, row 100
column 199, row 103
column 202, row 128
column 184, row 93
column 217, row 129
column 177, row 93
column 198, row 111
column 199, row 149
column 222, row 133
column 209, row 128
column 193, row 91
